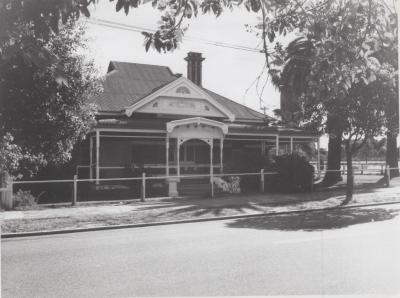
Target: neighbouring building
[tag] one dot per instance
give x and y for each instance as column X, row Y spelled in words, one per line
column 172, row 126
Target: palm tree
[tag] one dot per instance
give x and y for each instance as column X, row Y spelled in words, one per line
column 289, row 74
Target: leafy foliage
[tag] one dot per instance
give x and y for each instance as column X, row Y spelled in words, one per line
column 43, row 19
column 372, row 149
column 23, row 199
column 342, row 68
column 10, row 154
column 46, row 118
column 295, row 173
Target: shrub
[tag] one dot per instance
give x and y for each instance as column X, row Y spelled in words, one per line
column 295, row 173
column 247, row 163
column 230, row 184
column 23, row 199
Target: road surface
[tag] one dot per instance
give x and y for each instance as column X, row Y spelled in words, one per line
column 351, row 251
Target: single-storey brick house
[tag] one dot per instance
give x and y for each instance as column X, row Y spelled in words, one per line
column 172, row 126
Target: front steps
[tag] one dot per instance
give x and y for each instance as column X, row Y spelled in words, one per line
column 196, row 188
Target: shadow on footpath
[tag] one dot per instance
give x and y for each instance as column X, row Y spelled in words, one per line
column 239, row 204
column 317, row 220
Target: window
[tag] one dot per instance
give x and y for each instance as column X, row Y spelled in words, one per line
column 182, row 90
column 148, row 152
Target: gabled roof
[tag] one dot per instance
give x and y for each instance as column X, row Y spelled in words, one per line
column 182, row 81
column 240, row 111
column 127, row 83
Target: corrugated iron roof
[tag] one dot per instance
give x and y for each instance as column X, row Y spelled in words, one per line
column 241, row 111
column 127, row 83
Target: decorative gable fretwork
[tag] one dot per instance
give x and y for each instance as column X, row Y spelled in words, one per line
column 181, row 106
column 180, row 97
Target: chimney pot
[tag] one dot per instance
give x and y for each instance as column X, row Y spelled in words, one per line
column 194, row 67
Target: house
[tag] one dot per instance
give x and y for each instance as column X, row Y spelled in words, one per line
column 172, row 126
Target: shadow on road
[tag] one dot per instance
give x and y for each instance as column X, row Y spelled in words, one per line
column 316, row 221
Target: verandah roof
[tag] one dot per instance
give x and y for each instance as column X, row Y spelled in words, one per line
column 237, row 129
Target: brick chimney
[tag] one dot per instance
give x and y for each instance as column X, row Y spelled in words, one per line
column 194, row 61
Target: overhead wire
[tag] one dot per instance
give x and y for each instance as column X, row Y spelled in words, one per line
column 137, row 29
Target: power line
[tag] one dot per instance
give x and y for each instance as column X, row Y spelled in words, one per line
column 137, row 29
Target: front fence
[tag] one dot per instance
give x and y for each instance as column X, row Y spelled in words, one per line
column 140, row 188
column 133, row 188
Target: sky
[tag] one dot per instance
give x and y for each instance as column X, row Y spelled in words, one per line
column 229, row 72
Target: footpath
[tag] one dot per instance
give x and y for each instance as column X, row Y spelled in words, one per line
column 167, row 210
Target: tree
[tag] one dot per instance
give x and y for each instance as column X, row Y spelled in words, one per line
column 43, row 118
column 10, row 154
column 346, row 82
column 373, row 149
column 370, row 27
column 387, row 52
column 289, row 70
column 288, row 73
column 43, row 19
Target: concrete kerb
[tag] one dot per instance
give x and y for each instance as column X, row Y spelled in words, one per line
column 140, row 225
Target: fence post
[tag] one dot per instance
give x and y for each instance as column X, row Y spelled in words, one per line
column 362, row 169
column 387, row 176
column 7, row 196
column 75, row 191
column 262, row 180
column 143, row 192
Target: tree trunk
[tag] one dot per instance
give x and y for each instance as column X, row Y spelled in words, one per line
column 334, row 158
column 392, row 155
column 350, row 176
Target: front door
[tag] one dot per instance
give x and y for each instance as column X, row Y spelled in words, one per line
column 194, row 157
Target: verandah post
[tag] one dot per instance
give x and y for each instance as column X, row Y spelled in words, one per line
column 211, row 168
column 318, row 158
column 91, row 157
column 178, row 170
column 97, row 156
column 167, row 156
column 221, row 155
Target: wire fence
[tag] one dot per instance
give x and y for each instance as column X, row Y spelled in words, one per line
column 78, row 190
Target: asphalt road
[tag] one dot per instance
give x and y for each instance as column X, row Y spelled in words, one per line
column 352, row 251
